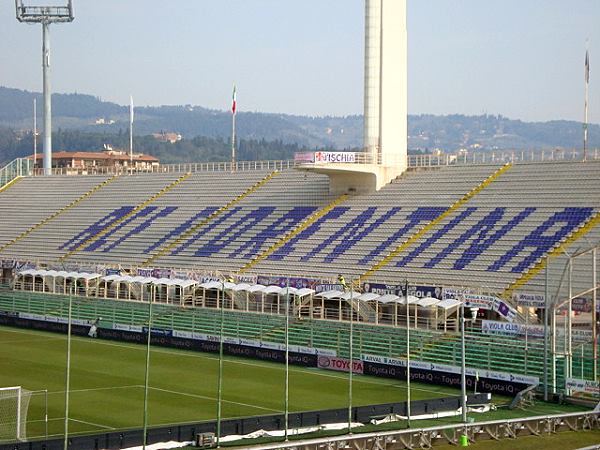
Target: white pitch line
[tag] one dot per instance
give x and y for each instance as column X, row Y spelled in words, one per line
column 193, row 354
column 214, row 399
column 97, row 425
column 43, row 339
column 107, row 388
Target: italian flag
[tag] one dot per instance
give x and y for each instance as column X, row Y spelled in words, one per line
column 233, row 102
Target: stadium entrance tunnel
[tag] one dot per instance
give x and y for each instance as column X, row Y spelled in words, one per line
column 354, row 178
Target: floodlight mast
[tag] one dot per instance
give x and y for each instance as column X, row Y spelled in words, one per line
column 45, row 15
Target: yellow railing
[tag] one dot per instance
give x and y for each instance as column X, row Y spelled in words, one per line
column 301, row 227
column 420, row 233
column 10, row 183
column 189, row 232
column 125, row 217
column 59, row 212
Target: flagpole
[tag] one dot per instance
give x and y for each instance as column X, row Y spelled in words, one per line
column 131, row 133
column 233, row 114
column 34, row 134
column 233, row 143
column 585, row 113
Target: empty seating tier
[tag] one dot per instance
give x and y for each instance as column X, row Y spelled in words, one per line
column 455, row 226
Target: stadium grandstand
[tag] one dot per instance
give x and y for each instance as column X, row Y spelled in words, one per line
column 479, row 226
column 473, row 271
column 479, row 233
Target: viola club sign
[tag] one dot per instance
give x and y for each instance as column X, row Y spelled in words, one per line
column 491, row 303
column 512, row 329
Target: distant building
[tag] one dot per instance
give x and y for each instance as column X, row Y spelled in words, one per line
column 167, row 137
column 103, row 121
column 90, row 161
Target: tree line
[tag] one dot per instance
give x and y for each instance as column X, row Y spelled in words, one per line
column 198, row 149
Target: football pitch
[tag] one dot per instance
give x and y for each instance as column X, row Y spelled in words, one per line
column 107, row 384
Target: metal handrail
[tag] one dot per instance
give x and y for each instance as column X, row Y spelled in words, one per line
column 18, row 167
column 306, row 159
column 475, row 430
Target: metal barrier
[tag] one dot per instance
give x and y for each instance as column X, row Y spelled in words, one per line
column 118, row 439
column 16, row 168
column 240, row 166
column 450, row 434
column 22, row 166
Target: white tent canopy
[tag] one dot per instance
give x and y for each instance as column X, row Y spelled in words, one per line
column 304, row 292
column 448, row 304
column 369, row 297
column 211, row 285
column 411, row 300
column 242, row 287
column 350, row 295
column 256, row 288
column 427, row 302
column 288, row 291
column 371, row 306
column 328, row 295
column 61, row 274
column 272, row 290
column 388, row 298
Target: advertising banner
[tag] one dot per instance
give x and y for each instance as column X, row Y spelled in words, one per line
column 512, row 329
column 249, row 279
column 450, row 293
column 529, row 300
column 577, row 385
column 144, row 272
column 328, row 287
column 297, row 283
column 308, row 157
column 487, row 380
column 479, row 301
column 335, row 157
column 532, row 331
column 491, row 303
column 383, row 289
column 582, row 304
column 419, row 291
column 505, row 310
column 23, row 265
column 339, row 364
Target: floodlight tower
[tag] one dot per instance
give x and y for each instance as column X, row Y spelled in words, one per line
column 45, row 15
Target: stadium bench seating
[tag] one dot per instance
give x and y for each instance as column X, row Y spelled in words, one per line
column 488, row 242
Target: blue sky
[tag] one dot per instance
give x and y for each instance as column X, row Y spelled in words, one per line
column 519, row 58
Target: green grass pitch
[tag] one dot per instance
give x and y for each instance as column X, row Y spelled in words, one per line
column 107, row 384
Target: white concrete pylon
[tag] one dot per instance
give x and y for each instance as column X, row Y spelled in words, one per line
column 386, row 67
